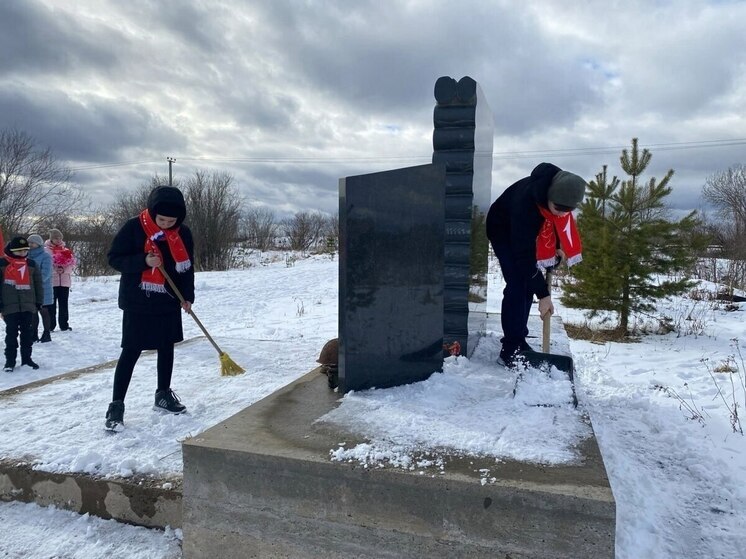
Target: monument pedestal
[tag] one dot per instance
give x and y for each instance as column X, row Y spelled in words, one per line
column 261, row 484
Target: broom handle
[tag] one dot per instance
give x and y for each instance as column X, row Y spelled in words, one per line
column 547, row 319
column 191, row 312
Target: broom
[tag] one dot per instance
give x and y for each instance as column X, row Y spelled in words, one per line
column 228, row 367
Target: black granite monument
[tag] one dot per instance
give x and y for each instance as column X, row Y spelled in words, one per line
column 462, row 140
column 391, row 255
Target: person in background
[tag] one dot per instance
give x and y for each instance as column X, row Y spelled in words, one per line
column 525, row 225
column 43, row 261
column 152, row 312
column 63, row 262
column 21, row 294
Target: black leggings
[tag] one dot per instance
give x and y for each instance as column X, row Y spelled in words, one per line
column 126, row 365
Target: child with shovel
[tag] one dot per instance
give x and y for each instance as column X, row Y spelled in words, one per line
column 525, row 225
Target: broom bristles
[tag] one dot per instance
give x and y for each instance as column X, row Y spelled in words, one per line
column 228, row 367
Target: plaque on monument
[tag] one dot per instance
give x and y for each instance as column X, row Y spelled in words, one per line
column 391, row 256
column 462, row 141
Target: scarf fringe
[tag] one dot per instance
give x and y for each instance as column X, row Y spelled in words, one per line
column 574, row 260
column 546, row 263
column 150, row 287
column 182, row 267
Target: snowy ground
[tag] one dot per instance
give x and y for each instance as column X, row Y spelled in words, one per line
column 677, row 481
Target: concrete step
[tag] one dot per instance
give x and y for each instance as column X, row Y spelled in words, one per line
column 155, row 503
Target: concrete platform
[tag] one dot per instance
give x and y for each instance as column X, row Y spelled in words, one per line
column 261, row 484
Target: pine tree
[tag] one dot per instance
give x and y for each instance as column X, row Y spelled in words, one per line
column 632, row 254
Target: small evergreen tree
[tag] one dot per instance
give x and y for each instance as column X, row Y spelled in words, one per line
column 633, row 254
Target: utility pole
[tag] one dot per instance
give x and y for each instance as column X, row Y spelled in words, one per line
column 171, row 161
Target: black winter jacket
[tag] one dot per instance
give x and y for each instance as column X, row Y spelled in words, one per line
column 514, row 221
column 14, row 300
column 127, row 255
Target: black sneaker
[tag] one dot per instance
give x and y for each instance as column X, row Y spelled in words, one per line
column 9, row 366
column 66, row 328
column 114, row 415
column 30, row 363
column 510, row 359
column 167, row 400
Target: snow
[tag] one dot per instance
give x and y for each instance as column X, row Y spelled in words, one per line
column 677, row 481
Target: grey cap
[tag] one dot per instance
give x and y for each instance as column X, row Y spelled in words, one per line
column 36, row 239
column 567, row 189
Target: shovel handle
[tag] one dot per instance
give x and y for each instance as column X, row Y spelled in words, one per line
column 547, row 326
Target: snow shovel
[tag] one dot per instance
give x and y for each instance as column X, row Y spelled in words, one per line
column 545, row 360
column 228, row 367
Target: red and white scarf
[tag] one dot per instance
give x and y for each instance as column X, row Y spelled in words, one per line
column 17, row 273
column 546, row 243
column 152, row 279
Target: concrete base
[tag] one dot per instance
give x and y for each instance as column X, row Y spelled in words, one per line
column 261, row 484
column 141, row 502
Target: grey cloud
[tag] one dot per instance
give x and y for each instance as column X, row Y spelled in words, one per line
column 382, row 60
column 35, row 39
column 98, row 131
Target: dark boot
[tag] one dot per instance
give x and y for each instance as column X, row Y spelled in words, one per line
column 45, row 337
column 29, row 363
column 9, row 366
column 114, row 415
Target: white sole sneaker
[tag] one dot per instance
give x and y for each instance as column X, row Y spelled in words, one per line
column 164, row 410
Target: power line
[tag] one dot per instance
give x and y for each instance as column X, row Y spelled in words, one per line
column 524, row 154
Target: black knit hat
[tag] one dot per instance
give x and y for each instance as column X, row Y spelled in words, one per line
column 168, row 210
column 17, row 244
column 167, row 201
column 566, row 189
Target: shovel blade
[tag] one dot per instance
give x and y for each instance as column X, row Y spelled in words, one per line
column 562, row 362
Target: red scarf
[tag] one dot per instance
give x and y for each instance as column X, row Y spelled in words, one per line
column 546, row 243
column 152, row 279
column 17, row 273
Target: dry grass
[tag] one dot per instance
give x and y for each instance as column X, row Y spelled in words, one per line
column 599, row 335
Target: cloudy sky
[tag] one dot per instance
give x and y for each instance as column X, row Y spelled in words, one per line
column 288, row 96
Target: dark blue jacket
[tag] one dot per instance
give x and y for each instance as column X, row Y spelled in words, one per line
column 514, row 222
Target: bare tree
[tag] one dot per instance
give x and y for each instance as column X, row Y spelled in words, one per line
column 213, row 212
column 726, row 191
column 259, row 226
column 303, row 230
column 93, row 234
column 130, row 203
column 331, row 232
column 33, row 184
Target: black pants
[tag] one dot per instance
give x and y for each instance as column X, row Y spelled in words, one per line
column 517, row 300
column 15, row 323
column 46, row 313
column 126, row 365
column 61, row 294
